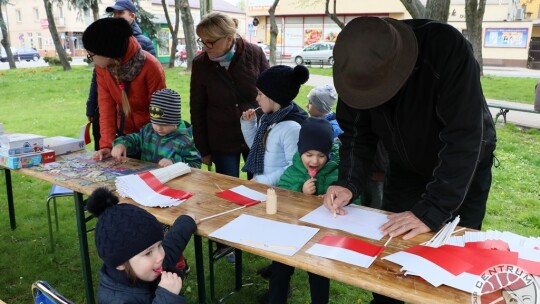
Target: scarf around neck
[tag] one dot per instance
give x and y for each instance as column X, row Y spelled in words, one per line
column 255, row 161
column 129, row 70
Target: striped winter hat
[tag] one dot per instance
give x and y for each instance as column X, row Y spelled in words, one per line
column 165, row 107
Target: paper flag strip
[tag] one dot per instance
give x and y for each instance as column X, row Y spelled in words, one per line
column 85, row 133
column 265, row 234
column 348, row 250
column 148, row 188
column 242, row 195
column 358, row 221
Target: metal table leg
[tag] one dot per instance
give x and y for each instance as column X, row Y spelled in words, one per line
column 9, row 193
column 83, row 242
column 199, row 264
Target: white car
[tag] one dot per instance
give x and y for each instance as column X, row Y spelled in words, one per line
column 266, row 50
column 315, row 53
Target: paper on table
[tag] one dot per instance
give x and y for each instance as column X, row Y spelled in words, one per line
column 358, row 221
column 265, row 234
column 348, row 250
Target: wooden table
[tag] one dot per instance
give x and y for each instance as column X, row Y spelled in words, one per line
column 382, row 277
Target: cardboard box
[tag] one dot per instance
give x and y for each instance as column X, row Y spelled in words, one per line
column 18, row 140
column 22, row 150
column 27, row 160
column 63, row 145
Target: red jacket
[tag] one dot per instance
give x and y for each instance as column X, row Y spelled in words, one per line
column 150, row 79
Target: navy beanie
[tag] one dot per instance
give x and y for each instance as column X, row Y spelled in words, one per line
column 165, row 107
column 122, row 230
column 316, row 134
column 108, row 37
column 282, row 83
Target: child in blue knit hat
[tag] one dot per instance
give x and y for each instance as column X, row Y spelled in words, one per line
column 139, row 263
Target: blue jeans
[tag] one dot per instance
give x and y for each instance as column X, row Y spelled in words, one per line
column 229, row 164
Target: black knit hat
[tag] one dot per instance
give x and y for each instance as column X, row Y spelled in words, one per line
column 108, row 37
column 165, row 107
column 122, row 230
column 281, row 83
column 316, row 134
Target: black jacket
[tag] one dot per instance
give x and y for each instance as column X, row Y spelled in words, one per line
column 436, row 129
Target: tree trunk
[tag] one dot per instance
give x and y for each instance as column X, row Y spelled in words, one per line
column 206, row 7
column 437, row 10
column 333, row 15
column 274, row 31
column 189, row 32
column 56, row 39
column 174, row 31
column 94, row 5
column 415, row 8
column 5, row 40
column 474, row 15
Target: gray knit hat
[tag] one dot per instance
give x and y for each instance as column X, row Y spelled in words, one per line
column 165, row 107
column 323, row 98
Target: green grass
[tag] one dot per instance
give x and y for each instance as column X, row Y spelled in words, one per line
column 495, row 87
column 52, row 102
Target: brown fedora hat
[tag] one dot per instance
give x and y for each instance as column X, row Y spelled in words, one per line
column 373, row 57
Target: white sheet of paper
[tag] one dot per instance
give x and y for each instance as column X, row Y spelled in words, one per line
column 358, row 221
column 247, row 192
column 265, row 234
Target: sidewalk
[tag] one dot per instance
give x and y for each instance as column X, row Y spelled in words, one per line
column 529, row 120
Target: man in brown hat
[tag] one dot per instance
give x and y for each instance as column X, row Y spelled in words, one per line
column 415, row 85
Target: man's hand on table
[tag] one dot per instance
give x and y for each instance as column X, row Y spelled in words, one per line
column 404, row 222
column 102, row 154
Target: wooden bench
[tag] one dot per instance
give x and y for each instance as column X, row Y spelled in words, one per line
column 504, row 108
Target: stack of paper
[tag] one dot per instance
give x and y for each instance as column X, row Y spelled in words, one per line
column 348, row 250
column 148, row 188
column 242, row 195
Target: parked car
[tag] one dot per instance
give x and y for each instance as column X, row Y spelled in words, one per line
column 21, row 54
column 266, row 50
column 316, row 52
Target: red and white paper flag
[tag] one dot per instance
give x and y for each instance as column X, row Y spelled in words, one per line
column 148, row 188
column 242, row 195
column 348, row 250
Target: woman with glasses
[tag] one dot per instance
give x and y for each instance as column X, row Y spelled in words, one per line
column 126, row 77
column 222, row 87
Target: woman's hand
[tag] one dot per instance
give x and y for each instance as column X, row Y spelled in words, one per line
column 102, row 154
column 249, row 114
column 171, row 281
column 119, row 152
column 309, row 186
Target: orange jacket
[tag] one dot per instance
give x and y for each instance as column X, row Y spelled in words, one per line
column 150, row 79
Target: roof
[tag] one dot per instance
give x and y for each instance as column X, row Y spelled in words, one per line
column 217, row 5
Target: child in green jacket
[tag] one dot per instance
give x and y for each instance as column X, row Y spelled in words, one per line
column 312, row 172
column 166, row 140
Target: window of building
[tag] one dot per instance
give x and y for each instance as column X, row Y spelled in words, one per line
column 18, row 15
column 60, row 12
column 39, row 41
column 36, row 14
column 30, row 40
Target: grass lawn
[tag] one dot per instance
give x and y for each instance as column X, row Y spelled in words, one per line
column 51, row 102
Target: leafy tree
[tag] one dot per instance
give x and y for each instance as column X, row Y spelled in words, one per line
column 54, row 33
column 189, row 32
column 174, row 30
column 5, row 37
column 144, row 19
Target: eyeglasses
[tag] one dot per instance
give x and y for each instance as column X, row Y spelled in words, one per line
column 207, row 44
column 90, row 58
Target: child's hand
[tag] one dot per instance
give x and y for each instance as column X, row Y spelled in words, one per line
column 119, row 152
column 165, row 162
column 171, row 281
column 194, row 217
column 309, row 186
column 102, row 154
column 249, row 114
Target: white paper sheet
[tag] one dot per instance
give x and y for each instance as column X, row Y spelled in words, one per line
column 341, row 254
column 358, row 221
column 250, row 193
column 265, row 234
